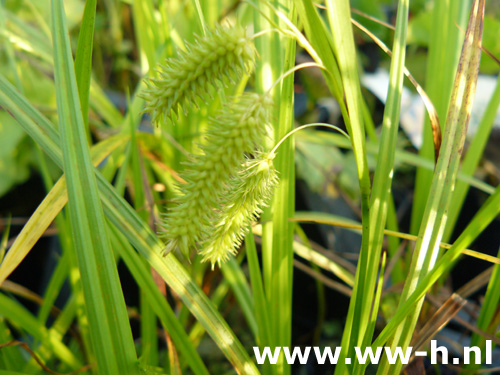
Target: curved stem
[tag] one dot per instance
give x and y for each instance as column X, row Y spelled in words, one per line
column 262, row 32
column 273, row 151
column 294, row 69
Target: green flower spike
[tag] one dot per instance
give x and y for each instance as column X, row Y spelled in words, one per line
column 247, row 193
column 240, row 126
column 219, row 56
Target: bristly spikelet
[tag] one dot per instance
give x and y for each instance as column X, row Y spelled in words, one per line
column 221, row 55
column 241, row 125
column 247, row 194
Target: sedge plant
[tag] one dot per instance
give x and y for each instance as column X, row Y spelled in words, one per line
column 219, row 157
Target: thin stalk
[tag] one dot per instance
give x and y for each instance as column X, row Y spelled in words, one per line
column 330, row 126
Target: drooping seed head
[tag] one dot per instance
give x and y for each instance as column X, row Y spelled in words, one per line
column 219, row 56
column 246, row 195
column 239, row 128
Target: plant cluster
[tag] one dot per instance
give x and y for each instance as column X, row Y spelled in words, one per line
column 225, row 187
column 108, row 174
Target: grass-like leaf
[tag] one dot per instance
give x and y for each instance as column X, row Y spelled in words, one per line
column 278, row 56
column 488, row 212
column 444, row 50
column 368, row 265
column 47, row 211
column 136, row 231
column 83, row 57
column 434, row 218
column 110, row 330
column 19, row 315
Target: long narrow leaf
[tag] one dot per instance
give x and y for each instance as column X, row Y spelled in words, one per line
column 339, row 17
column 434, row 218
column 444, row 51
column 159, row 304
column 83, row 56
column 283, row 205
column 47, row 211
column 20, row 316
column 110, row 329
column 135, row 230
column 366, row 275
column 488, row 212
